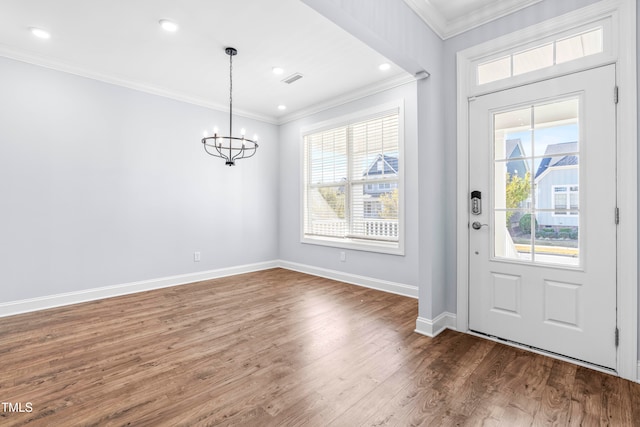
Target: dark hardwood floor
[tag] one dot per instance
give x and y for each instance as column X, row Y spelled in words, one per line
column 280, row 348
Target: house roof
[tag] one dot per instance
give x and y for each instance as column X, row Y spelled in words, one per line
column 513, row 150
column 389, row 166
column 554, row 157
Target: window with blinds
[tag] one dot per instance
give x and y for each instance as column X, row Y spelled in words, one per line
column 352, row 182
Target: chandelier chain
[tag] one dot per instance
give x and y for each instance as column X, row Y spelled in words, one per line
column 230, row 94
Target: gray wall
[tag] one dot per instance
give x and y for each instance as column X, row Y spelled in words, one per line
column 103, row 185
column 394, row 30
column 401, row 269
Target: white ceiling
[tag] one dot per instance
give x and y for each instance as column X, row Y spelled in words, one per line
column 452, row 17
column 120, row 41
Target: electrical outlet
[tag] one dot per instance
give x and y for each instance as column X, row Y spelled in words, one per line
column 343, row 256
column 196, row 257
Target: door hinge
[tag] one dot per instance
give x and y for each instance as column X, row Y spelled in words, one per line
column 617, row 215
column 615, row 95
column 617, row 336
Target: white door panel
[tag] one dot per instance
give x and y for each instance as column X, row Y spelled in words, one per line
column 543, row 256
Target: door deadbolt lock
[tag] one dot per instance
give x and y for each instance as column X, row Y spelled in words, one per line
column 477, row 225
column 476, row 202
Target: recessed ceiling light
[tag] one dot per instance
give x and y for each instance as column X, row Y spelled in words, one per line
column 168, row 25
column 40, row 33
column 384, row 67
column 282, row 107
column 277, row 70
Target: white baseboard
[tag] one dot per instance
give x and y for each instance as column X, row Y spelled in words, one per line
column 638, row 372
column 51, row 301
column 354, row 279
column 432, row 328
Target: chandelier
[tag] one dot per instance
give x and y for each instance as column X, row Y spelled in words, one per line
column 230, row 148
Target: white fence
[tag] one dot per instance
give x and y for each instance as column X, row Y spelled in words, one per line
column 381, row 228
column 368, row 228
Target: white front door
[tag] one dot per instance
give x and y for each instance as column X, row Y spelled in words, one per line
column 543, row 244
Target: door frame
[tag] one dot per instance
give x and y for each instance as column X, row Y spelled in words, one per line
column 623, row 54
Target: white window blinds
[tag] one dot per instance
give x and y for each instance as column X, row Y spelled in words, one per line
column 351, row 188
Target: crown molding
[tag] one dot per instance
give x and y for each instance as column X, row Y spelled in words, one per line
column 42, row 61
column 430, row 15
column 445, row 29
column 363, row 92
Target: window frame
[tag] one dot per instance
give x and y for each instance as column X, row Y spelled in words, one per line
column 607, row 56
column 355, row 243
column 569, row 212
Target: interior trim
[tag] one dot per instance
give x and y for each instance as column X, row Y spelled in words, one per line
column 433, row 328
column 29, row 58
column 360, row 93
column 447, row 28
column 354, row 279
column 58, row 300
column 355, row 95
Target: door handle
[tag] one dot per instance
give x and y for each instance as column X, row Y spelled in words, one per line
column 477, row 226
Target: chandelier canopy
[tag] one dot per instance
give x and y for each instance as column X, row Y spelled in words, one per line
column 230, row 148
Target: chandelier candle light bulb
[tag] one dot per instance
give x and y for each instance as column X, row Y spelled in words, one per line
column 230, row 148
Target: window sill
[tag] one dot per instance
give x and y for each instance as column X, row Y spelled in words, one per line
column 390, row 248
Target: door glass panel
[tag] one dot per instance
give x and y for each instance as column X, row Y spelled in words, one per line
column 536, row 187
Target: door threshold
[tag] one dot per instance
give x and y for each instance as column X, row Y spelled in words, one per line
column 543, row 352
